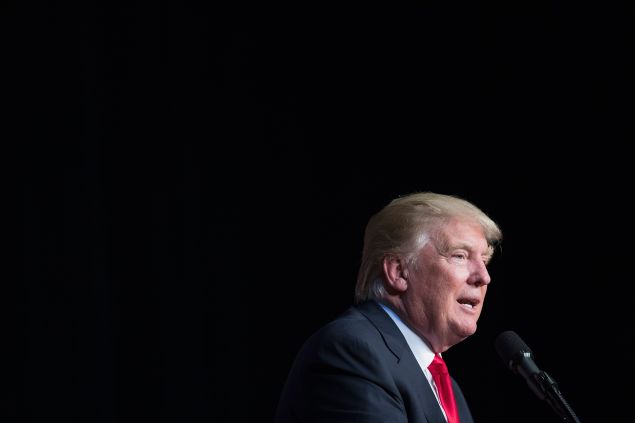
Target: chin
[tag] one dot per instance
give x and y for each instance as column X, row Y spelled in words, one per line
column 463, row 331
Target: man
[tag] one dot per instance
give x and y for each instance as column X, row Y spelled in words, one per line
column 420, row 290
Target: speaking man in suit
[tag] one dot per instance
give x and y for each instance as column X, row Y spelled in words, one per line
column 420, row 290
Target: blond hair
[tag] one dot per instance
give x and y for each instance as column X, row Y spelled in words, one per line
column 404, row 226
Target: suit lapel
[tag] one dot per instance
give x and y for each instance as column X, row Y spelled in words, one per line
column 389, row 331
column 409, row 369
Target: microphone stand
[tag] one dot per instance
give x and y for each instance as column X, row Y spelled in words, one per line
column 551, row 393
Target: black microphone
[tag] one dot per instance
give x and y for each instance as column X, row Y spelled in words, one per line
column 519, row 358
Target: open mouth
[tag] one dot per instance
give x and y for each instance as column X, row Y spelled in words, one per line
column 469, row 303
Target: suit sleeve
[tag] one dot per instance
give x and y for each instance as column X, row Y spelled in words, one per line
column 342, row 376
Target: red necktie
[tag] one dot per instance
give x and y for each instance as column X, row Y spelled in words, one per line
column 444, row 387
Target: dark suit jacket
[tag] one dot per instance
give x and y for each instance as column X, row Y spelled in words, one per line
column 359, row 368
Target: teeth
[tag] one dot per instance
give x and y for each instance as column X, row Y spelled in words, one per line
column 467, row 305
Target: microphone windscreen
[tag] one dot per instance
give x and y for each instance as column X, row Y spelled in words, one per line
column 508, row 344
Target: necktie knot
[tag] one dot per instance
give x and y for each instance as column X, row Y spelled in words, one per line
column 442, row 381
column 438, row 366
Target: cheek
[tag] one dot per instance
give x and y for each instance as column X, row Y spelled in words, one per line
column 457, row 277
column 448, row 281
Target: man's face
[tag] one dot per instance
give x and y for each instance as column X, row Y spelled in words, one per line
column 447, row 285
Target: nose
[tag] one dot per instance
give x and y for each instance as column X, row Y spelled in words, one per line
column 479, row 275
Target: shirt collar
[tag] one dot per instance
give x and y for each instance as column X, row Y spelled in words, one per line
column 422, row 352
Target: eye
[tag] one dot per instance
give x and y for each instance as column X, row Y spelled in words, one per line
column 459, row 255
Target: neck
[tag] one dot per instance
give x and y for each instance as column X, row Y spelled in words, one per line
column 396, row 305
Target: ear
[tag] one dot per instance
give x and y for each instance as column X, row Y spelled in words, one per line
column 395, row 274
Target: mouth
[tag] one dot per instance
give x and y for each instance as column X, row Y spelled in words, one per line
column 468, row 302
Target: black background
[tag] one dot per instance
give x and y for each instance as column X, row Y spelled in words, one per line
column 195, row 181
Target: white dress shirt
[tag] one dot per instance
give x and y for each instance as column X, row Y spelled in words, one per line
column 422, row 352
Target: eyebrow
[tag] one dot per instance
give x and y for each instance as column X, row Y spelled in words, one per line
column 487, row 256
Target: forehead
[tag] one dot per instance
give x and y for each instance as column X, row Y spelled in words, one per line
column 467, row 233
